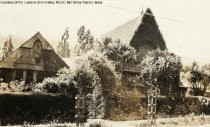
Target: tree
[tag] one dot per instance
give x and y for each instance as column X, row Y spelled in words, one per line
column 116, row 51
column 63, row 46
column 85, row 41
column 162, row 68
column 92, row 72
column 8, row 47
column 198, row 79
column 80, row 34
column 89, row 40
column 106, row 41
column 98, row 47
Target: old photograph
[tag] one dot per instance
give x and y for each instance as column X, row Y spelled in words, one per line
column 105, row 63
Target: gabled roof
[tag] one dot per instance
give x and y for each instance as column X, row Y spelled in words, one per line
column 138, row 32
column 9, row 61
column 142, row 33
column 23, row 57
column 29, row 43
column 124, row 32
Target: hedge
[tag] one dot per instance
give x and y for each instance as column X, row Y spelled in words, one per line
column 179, row 106
column 135, row 108
column 33, row 108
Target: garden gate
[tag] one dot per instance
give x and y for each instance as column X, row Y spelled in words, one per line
column 97, row 108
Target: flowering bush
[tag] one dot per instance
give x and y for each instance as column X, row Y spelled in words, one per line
column 14, row 86
column 91, row 71
column 162, row 68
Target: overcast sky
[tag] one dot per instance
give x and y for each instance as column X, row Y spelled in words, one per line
column 185, row 24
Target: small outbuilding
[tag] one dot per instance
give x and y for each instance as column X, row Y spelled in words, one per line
column 31, row 62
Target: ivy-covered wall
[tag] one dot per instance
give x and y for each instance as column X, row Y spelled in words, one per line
column 148, row 35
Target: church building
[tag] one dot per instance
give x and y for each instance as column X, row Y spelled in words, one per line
column 143, row 34
column 31, row 62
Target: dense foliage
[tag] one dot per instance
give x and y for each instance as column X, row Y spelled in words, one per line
column 63, row 46
column 162, row 68
column 116, row 51
column 198, row 78
column 91, row 71
column 85, row 41
column 148, row 34
column 35, row 108
column 8, row 47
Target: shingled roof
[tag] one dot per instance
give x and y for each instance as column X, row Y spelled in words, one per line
column 138, row 32
column 24, row 56
column 142, row 33
column 124, row 32
column 45, row 44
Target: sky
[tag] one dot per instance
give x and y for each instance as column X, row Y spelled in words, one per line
column 185, row 24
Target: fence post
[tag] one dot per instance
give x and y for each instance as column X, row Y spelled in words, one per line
column 80, row 117
column 152, row 103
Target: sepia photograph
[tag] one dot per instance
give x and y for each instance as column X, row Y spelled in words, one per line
column 105, row 63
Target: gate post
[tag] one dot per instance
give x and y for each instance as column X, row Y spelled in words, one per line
column 152, row 103
column 80, row 117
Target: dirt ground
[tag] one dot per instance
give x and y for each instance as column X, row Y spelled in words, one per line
column 190, row 121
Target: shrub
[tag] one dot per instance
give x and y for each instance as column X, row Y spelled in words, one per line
column 162, row 68
column 36, row 108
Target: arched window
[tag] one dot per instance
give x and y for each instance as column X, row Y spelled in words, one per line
column 37, row 51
